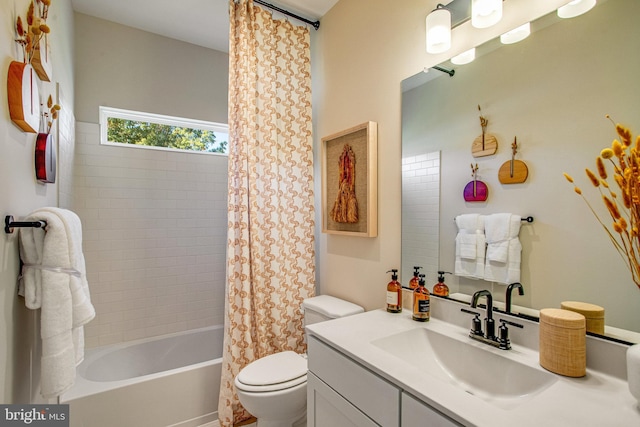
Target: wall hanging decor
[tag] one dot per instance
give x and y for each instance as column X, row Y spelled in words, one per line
column 41, row 60
column 476, row 190
column 45, row 158
column 22, row 78
column 23, row 96
column 350, row 181
column 514, row 171
column 45, row 149
column 41, row 55
column 486, row 144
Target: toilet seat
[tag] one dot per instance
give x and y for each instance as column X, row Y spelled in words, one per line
column 278, row 371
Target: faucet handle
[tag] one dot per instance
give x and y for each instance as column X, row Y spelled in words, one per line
column 476, row 324
column 503, row 333
column 508, row 322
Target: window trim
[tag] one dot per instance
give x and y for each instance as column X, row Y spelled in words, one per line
column 118, row 113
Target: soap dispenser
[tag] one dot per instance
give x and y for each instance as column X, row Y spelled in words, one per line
column 440, row 288
column 394, row 293
column 415, row 280
column 421, row 302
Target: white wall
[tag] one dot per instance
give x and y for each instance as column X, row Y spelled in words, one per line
column 20, row 194
column 154, row 222
column 122, row 67
column 552, row 91
column 362, row 52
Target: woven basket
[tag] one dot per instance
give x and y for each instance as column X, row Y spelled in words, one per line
column 594, row 314
column 563, row 342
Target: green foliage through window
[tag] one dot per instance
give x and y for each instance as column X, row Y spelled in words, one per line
column 173, row 136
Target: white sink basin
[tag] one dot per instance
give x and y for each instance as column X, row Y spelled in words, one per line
column 476, row 368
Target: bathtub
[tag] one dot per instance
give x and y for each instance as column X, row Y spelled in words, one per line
column 171, row 380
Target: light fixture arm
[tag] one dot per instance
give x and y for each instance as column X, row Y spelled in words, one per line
column 444, row 70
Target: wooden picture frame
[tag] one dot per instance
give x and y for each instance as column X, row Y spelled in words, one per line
column 350, row 181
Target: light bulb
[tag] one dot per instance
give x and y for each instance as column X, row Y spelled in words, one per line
column 576, row 8
column 438, row 31
column 465, row 57
column 485, row 13
column 517, row 34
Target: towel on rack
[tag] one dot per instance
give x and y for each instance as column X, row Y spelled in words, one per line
column 54, row 281
column 504, row 249
column 470, row 246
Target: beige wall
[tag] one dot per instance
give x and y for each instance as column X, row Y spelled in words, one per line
column 20, row 194
column 362, row 52
column 122, row 67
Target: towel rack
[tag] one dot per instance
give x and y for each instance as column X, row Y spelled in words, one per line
column 10, row 224
column 524, row 218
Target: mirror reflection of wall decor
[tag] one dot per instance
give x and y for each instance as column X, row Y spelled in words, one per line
column 558, row 114
column 350, row 181
column 475, row 190
column 486, row 144
column 514, row 171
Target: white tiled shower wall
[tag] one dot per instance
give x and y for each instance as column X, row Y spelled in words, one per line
column 421, row 211
column 154, row 232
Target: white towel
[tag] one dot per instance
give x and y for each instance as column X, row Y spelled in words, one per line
column 503, row 248
column 54, row 280
column 470, row 246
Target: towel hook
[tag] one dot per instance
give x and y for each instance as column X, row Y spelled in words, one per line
column 9, row 224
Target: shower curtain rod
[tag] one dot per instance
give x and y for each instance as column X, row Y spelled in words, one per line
column 315, row 24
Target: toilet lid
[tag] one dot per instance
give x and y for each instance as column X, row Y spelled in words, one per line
column 274, row 369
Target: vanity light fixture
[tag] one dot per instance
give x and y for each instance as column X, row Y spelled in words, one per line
column 517, row 34
column 485, row 13
column 465, row 57
column 576, row 8
column 438, row 30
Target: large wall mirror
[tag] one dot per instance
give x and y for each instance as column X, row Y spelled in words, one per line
column 552, row 91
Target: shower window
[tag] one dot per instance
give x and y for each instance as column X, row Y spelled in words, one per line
column 155, row 131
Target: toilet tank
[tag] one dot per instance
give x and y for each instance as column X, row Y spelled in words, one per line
column 326, row 307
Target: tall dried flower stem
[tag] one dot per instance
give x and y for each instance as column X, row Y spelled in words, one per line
column 624, row 230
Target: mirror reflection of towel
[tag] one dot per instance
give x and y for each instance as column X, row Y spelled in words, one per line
column 468, row 243
column 470, row 246
column 504, row 249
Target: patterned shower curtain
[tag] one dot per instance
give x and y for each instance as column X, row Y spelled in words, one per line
column 271, row 260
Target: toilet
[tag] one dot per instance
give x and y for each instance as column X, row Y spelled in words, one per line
column 274, row 388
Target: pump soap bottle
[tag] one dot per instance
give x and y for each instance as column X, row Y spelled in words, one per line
column 440, row 288
column 394, row 293
column 421, row 302
column 415, row 281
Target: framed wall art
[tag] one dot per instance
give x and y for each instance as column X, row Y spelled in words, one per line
column 350, row 181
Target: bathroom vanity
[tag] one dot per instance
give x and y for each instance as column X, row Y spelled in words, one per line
column 379, row 368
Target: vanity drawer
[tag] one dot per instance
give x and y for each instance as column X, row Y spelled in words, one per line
column 371, row 394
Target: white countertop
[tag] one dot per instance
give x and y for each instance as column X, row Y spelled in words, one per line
column 597, row 400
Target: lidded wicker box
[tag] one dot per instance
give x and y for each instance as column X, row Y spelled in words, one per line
column 563, row 346
column 594, row 314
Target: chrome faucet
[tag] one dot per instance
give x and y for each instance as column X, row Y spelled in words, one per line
column 489, row 323
column 507, row 305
